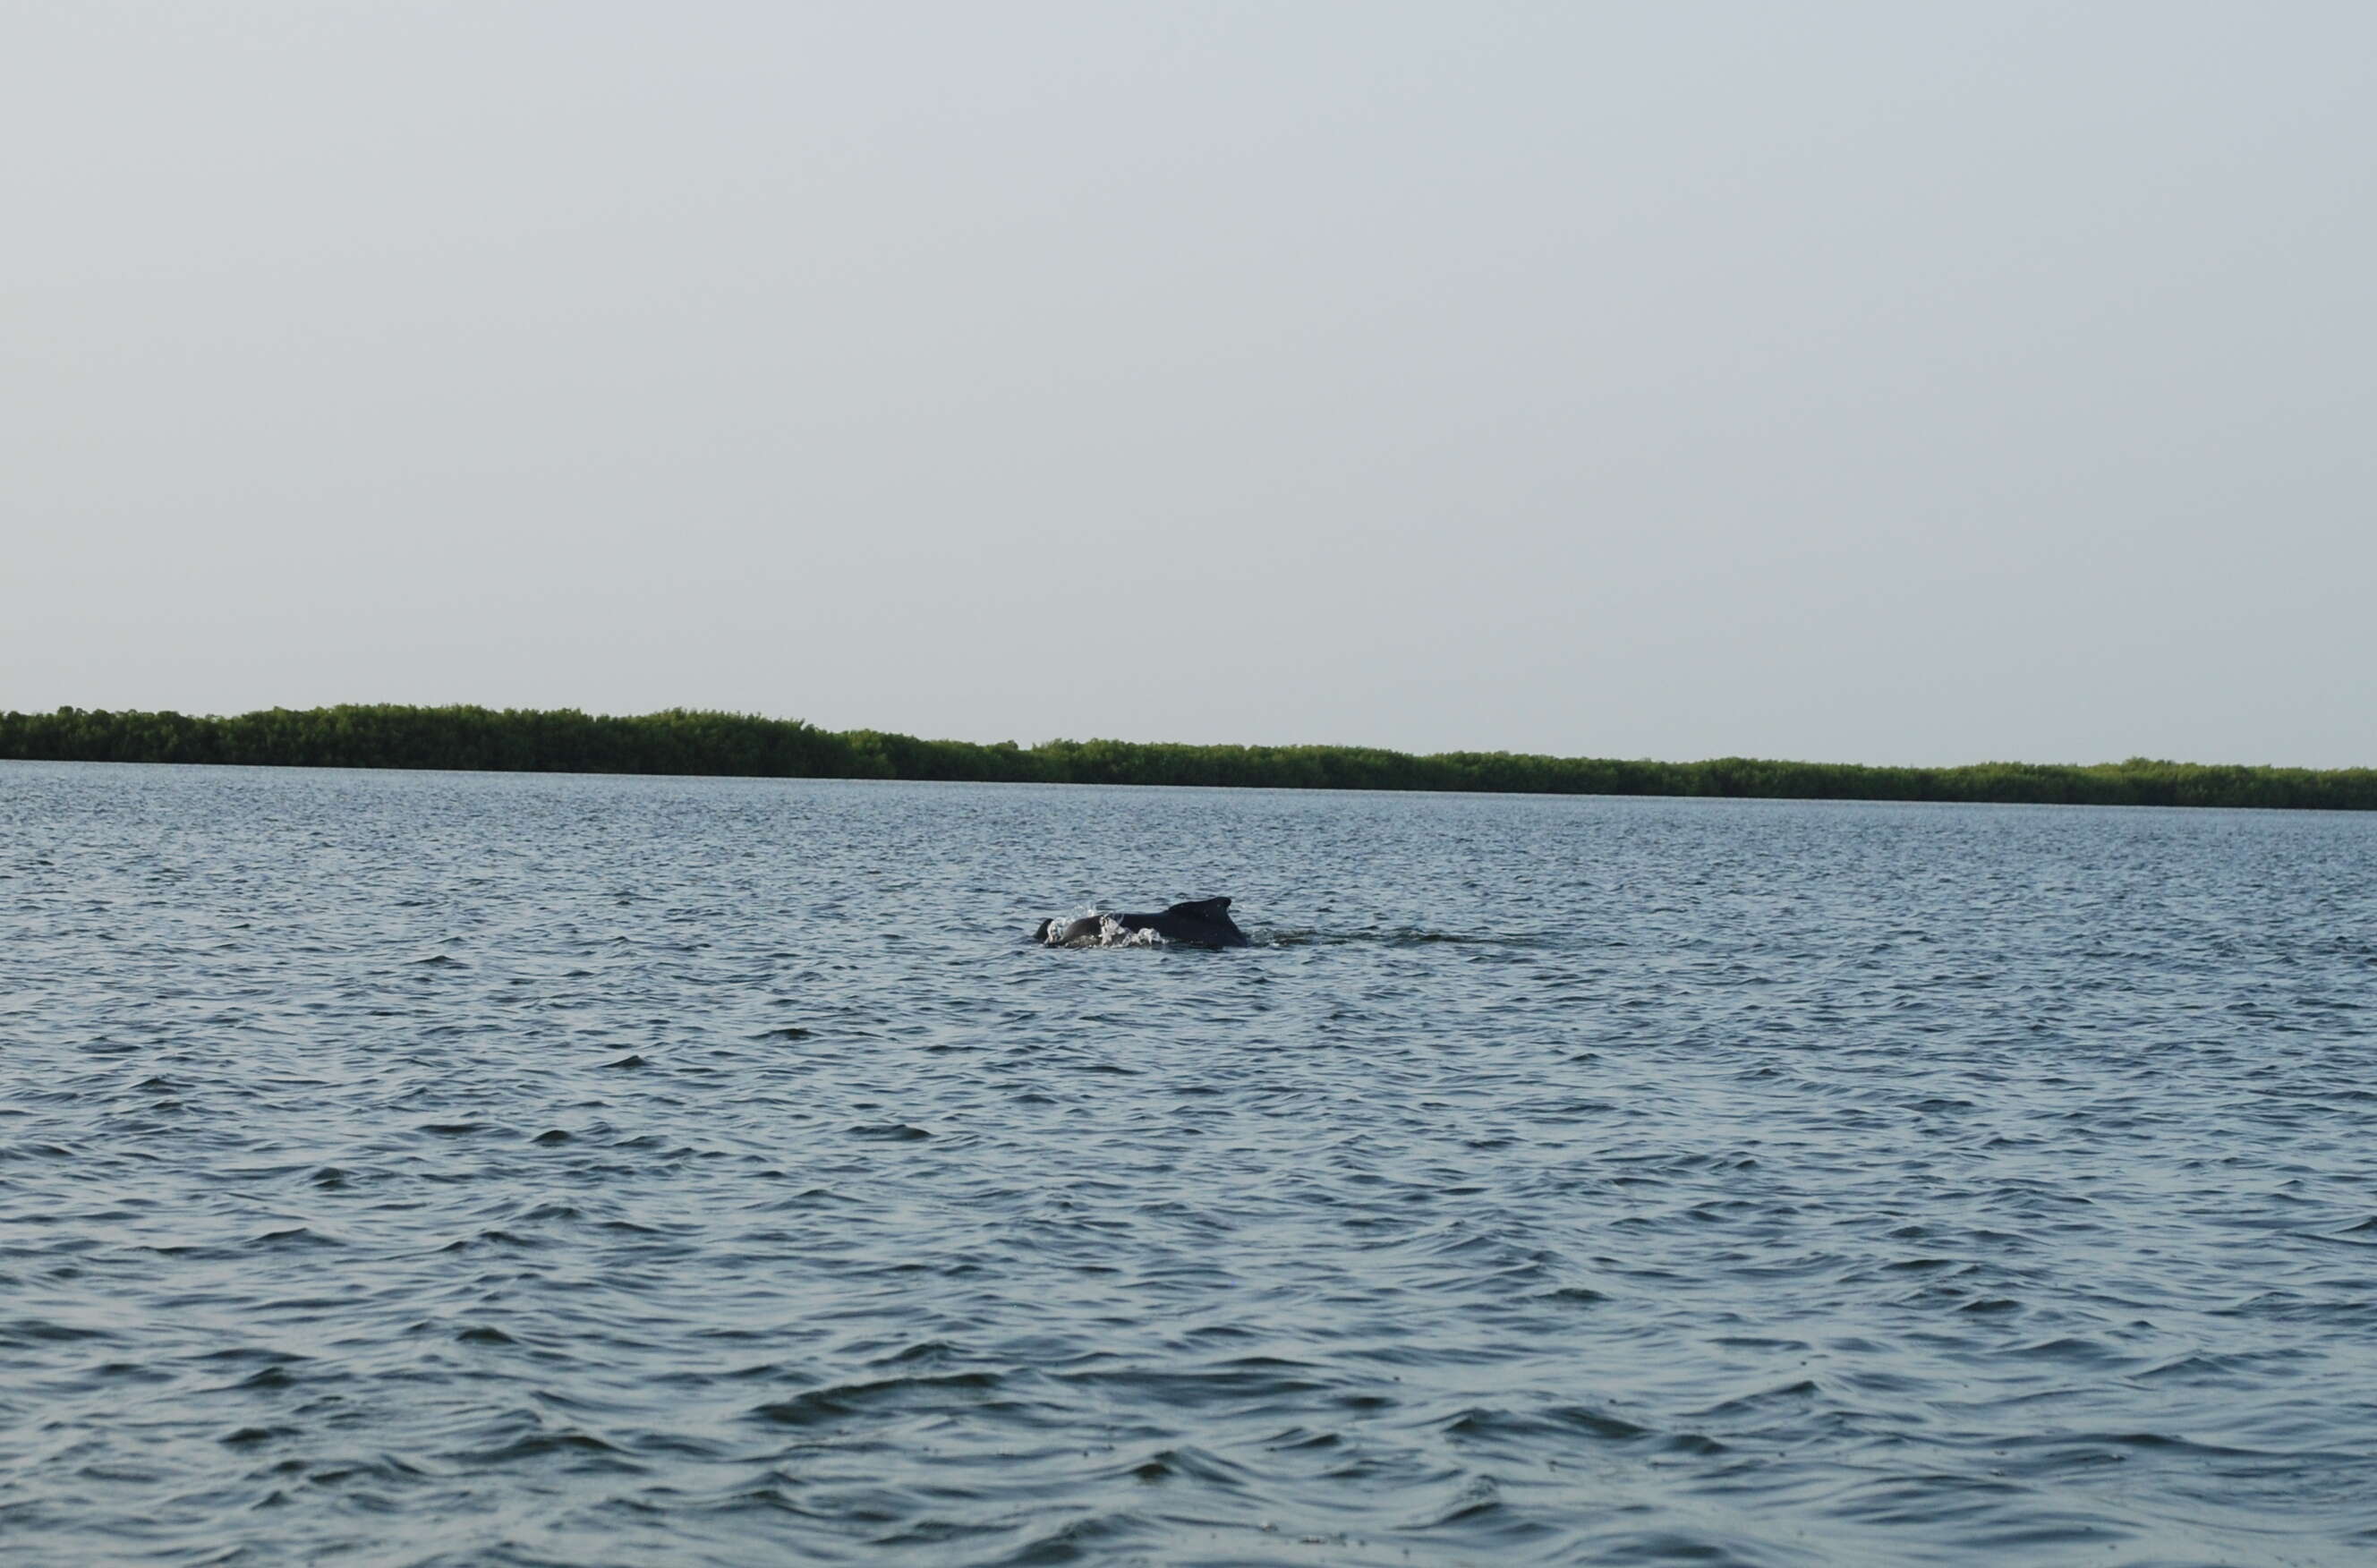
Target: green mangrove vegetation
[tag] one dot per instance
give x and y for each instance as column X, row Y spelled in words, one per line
column 682, row 741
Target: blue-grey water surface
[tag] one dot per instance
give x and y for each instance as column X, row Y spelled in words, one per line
column 450, row 1168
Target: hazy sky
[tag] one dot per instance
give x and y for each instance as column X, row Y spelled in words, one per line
column 1865, row 382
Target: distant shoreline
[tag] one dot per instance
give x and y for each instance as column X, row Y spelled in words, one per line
column 681, row 741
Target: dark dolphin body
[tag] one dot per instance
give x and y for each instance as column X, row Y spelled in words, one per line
column 1203, row 922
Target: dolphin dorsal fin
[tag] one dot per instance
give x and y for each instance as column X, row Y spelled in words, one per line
column 1203, row 908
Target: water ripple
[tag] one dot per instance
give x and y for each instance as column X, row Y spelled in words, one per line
column 441, row 1169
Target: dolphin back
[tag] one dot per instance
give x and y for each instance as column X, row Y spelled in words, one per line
column 1202, row 909
column 1204, row 921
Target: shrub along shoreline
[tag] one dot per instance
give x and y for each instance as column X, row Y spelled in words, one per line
column 685, row 741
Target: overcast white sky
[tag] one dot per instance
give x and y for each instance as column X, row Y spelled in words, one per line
column 1864, row 382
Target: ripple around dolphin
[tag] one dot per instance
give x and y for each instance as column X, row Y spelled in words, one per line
column 414, row 1169
column 1405, row 937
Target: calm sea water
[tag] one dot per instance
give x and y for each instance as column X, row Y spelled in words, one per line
column 437, row 1169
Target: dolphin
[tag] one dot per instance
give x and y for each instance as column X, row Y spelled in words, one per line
column 1087, row 929
column 1203, row 922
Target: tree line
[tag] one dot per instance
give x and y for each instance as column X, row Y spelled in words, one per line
column 688, row 741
